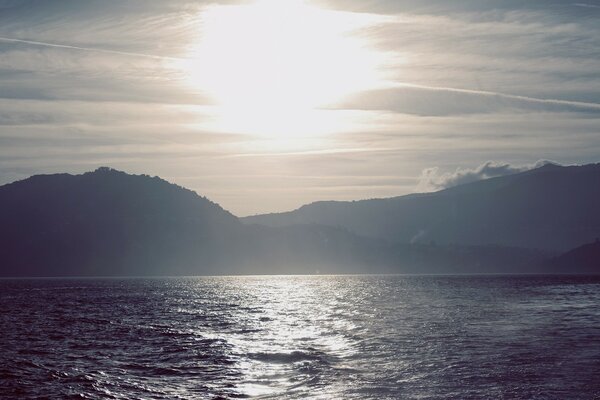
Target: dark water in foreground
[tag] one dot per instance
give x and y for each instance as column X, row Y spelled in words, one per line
column 324, row 337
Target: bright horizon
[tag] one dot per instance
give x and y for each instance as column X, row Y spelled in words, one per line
column 263, row 106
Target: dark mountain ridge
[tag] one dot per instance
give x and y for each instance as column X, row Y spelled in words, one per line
column 554, row 208
column 104, row 221
column 107, row 222
column 583, row 259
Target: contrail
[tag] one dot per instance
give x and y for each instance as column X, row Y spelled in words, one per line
column 90, row 49
column 583, row 104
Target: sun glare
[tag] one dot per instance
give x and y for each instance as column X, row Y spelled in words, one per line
column 268, row 64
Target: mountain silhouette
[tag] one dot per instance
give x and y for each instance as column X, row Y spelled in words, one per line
column 108, row 222
column 582, row 259
column 105, row 222
column 552, row 207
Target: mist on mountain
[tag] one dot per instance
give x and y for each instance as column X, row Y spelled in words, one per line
column 110, row 223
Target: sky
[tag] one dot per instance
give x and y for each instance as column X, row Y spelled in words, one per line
column 263, row 106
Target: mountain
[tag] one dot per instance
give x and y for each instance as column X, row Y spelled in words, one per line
column 107, row 222
column 553, row 208
column 320, row 249
column 582, row 259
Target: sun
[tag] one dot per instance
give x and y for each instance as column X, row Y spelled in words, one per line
column 267, row 64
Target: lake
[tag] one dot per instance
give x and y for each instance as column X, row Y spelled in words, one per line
column 297, row 337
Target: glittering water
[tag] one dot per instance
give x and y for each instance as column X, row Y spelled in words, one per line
column 323, row 337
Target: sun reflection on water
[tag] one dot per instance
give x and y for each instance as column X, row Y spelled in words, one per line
column 287, row 330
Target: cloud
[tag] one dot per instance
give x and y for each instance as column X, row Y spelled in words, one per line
column 392, row 7
column 543, row 54
column 431, row 179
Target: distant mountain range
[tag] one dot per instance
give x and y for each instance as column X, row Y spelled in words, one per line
column 583, row 259
column 553, row 208
column 107, row 222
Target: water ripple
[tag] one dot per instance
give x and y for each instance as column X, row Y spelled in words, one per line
column 351, row 337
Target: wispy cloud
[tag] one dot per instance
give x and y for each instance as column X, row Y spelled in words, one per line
column 586, row 5
column 432, row 179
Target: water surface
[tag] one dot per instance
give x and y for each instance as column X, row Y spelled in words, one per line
column 297, row 337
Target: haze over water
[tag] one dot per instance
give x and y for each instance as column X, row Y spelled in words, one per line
column 295, row 337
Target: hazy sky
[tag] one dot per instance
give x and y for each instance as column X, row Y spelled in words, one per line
column 264, row 106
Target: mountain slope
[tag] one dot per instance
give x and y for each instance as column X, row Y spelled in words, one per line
column 105, row 222
column 551, row 207
column 582, row 259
